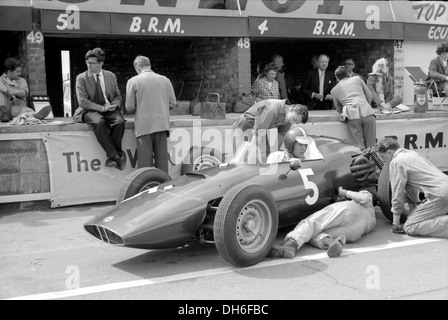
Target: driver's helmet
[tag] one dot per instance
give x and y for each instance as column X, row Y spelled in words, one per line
column 296, row 134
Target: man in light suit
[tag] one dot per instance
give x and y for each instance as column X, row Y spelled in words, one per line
column 318, row 85
column 150, row 96
column 99, row 101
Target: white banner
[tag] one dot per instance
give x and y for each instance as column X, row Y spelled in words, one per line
column 77, row 171
column 428, row 137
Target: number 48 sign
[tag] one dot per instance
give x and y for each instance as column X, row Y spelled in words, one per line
column 244, row 43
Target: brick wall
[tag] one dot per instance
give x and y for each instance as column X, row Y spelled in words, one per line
column 23, row 167
column 223, row 66
column 297, row 54
column 34, row 66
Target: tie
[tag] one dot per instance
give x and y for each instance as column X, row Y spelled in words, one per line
column 321, row 82
column 99, row 92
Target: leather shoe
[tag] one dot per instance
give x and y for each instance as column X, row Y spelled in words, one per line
column 335, row 247
column 4, row 114
column 121, row 163
column 110, row 162
column 286, row 249
column 43, row 113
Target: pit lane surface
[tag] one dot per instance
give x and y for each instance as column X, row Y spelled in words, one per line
column 47, row 255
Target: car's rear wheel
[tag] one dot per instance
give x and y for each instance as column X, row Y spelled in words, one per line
column 245, row 224
column 200, row 158
column 140, row 180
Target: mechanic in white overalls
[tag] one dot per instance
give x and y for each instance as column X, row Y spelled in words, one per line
column 331, row 227
column 417, row 181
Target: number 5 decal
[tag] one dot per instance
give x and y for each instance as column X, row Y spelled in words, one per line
column 304, row 173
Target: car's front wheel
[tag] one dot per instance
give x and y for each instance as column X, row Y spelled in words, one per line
column 245, row 224
column 140, row 180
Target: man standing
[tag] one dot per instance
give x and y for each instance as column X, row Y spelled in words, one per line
column 417, row 181
column 318, row 85
column 13, row 93
column 99, row 100
column 150, row 96
column 349, row 63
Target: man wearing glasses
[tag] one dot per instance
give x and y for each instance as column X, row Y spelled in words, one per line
column 349, row 63
column 99, row 104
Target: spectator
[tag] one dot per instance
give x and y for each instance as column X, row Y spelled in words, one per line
column 349, row 63
column 331, row 227
column 416, row 180
column 281, row 76
column 352, row 98
column 314, row 62
column 438, row 68
column 14, row 92
column 266, row 87
column 318, row 85
column 264, row 115
column 381, row 84
column 258, row 71
column 150, row 96
column 99, row 104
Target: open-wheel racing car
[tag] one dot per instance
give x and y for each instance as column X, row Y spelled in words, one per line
column 236, row 205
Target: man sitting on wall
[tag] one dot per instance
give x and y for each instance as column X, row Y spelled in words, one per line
column 13, row 93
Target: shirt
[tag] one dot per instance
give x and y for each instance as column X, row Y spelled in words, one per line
column 410, row 175
column 267, row 114
column 350, row 97
column 103, row 86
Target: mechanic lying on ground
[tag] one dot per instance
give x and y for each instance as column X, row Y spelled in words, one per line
column 424, row 185
column 330, row 227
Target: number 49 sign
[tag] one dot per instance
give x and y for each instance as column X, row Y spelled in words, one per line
column 35, row 37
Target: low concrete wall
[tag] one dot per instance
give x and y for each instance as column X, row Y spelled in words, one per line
column 24, row 167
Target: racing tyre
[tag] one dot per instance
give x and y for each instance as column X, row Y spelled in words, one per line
column 384, row 193
column 245, row 225
column 200, row 158
column 140, row 180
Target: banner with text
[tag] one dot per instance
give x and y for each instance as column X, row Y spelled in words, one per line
column 77, row 171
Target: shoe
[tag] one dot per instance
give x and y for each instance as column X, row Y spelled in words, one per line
column 286, row 249
column 4, row 114
column 110, row 163
column 121, row 163
column 335, row 247
column 43, row 113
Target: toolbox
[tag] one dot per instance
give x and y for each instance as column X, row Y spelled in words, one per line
column 212, row 108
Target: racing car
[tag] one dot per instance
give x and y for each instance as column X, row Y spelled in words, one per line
column 236, row 205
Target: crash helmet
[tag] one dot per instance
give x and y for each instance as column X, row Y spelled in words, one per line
column 296, row 134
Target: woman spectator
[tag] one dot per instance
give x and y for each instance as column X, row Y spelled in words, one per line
column 381, row 84
column 438, row 69
column 266, row 87
column 352, row 98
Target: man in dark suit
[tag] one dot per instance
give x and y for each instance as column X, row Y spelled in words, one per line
column 438, row 68
column 99, row 100
column 318, row 84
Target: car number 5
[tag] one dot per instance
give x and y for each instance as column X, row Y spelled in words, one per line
column 304, row 173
